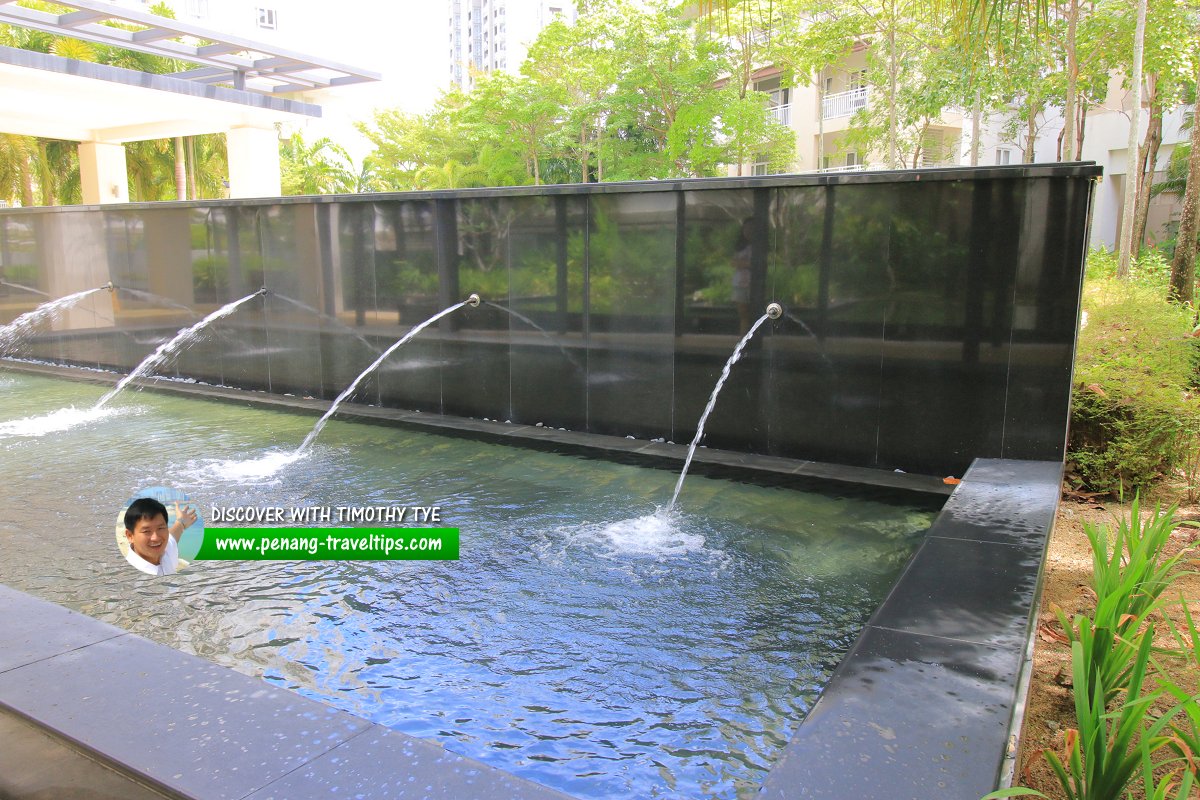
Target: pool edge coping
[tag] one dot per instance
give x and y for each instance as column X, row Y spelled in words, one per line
column 840, row 712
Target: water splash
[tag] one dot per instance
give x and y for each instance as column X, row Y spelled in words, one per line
column 54, row 422
column 184, row 338
column 712, row 401
column 29, row 289
column 654, row 535
column 349, row 390
column 11, row 333
column 243, row 471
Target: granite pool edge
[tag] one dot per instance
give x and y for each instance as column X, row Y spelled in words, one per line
column 192, row 729
column 928, row 702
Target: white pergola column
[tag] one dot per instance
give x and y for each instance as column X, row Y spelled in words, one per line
column 102, row 173
column 253, row 162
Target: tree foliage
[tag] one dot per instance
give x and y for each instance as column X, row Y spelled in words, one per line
column 630, row 91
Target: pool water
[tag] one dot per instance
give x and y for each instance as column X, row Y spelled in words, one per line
column 580, row 641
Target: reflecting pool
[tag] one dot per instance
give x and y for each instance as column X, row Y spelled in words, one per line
column 581, row 641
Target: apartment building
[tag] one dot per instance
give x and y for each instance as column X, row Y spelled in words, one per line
column 821, row 113
column 486, row 35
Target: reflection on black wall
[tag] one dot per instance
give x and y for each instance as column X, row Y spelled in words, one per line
column 930, row 316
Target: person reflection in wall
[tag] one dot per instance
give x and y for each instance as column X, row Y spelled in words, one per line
column 153, row 544
column 742, row 275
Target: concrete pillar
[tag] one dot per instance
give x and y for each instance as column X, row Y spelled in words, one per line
column 102, row 173
column 253, row 162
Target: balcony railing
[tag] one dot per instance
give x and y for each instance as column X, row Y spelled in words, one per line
column 843, row 104
column 782, row 114
column 846, row 168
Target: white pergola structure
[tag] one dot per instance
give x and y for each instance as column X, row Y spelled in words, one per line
column 232, row 86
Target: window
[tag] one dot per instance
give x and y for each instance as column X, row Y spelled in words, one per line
column 1003, row 156
column 555, row 12
column 858, row 79
column 852, row 159
column 266, row 18
column 777, row 98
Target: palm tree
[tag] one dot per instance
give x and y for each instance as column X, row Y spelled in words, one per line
column 451, row 175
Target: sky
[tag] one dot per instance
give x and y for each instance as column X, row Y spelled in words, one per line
column 406, row 41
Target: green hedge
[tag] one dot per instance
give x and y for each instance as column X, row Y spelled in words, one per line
column 1134, row 418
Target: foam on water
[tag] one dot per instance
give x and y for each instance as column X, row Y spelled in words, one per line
column 658, row 535
column 248, row 470
column 55, row 422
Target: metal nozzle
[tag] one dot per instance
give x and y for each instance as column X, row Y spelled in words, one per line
column 263, row 291
column 110, row 286
column 774, row 311
column 474, row 300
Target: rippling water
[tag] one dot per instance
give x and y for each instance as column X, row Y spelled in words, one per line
column 582, row 640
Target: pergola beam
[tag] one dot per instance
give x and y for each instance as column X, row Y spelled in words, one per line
column 232, row 57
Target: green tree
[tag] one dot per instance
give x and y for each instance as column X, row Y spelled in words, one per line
column 673, row 112
column 320, row 168
column 1183, row 264
column 1170, row 61
column 579, row 65
column 406, row 143
column 521, row 113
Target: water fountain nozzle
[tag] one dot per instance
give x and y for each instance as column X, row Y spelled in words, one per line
column 110, row 286
column 474, row 300
column 774, row 311
column 263, row 291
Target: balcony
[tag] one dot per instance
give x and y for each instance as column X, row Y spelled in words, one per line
column 782, row 114
column 845, row 168
column 844, row 104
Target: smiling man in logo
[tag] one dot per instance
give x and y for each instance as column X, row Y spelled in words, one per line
column 153, row 546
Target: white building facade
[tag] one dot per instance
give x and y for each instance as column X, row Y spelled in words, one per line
column 820, row 114
column 487, row 35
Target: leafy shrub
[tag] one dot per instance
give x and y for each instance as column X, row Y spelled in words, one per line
column 1151, row 269
column 1129, row 580
column 1134, row 417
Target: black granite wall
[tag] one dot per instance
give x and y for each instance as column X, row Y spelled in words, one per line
column 930, row 314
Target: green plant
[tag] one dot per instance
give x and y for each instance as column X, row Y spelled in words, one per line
column 1129, row 581
column 1161, row 789
column 1100, row 762
column 1133, row 413
column 1101, row 755
column 1187, row 733
column 1151, row 269
column 1134, row 573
